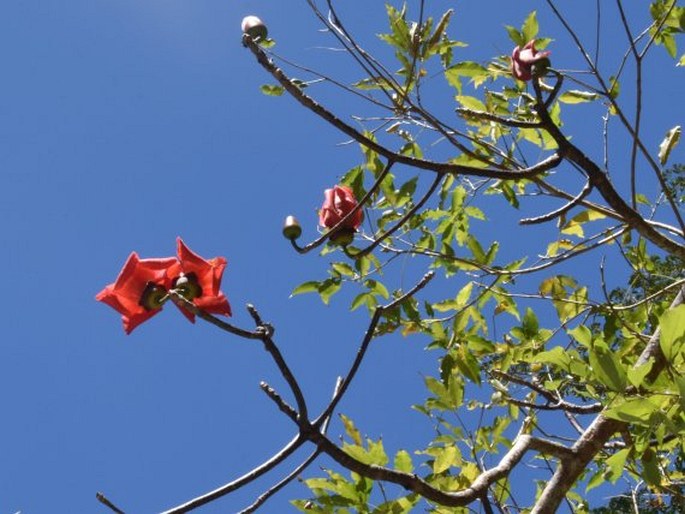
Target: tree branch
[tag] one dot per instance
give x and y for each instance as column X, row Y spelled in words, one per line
column 597, row 434
column 437, row 167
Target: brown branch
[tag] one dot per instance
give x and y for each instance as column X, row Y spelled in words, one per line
column 593, row 440
column 377, row 241
column 103, row 499
column 266, row 332
column 181, row 301
column 600, row 180
column 619, row 112
column 437, row 167
column 562, row 210
column 414, row 483
column 292, row 475
column 248, row 477
column 363, row 347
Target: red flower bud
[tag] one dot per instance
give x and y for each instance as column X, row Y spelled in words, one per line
column 338, row 203
column 523, row 59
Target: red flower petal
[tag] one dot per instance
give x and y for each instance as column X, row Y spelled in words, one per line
column 208, row 274
column 338, row 203
column 125, row 294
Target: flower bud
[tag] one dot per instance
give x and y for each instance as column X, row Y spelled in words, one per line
column 254, row 27
column 291, row 228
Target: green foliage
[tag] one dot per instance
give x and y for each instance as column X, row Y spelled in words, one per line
column 511, row 341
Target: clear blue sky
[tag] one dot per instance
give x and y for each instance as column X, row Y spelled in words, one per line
column 124, row 124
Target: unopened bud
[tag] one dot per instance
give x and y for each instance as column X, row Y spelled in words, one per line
column 291, row 228
column 254, row 27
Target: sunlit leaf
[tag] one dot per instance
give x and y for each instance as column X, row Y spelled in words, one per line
column 669, row 142
column 272, row 90
column 575, row 97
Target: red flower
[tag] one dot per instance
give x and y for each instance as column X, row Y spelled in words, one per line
column 338, row 202
column 523, row 59
column 140, row 289
column 199, row 281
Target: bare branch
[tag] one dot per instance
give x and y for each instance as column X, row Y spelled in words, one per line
column 103, row 499
column 248, row 477
column 562, row 210
column 363, row 347
column 266, row 332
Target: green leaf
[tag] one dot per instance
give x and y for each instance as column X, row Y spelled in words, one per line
column 377, row 288
column 650, row 468
column 403, row 462
column 669, row 142
column 448, row 457
column 582, row 334
column 672, row 325
column 614, row 88
column 344, row 269
column 477, row 73
column 351, row 430
column 272, row 90
column 607, row 367
column 515, row 35
column 576, row 97
column 636, row 375
column 328, row 288
column 638, row 411
column 530, row 27
column 468, row 365
column 306, row 287
column 471, row 102
column 557, row 356
column 616, row 464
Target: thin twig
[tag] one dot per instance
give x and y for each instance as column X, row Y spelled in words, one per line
column 248, row 477
column 378, row 240
column 266, row 332
column 368, row 337
column 561, row 210
column 291, row 476
column 103, row 499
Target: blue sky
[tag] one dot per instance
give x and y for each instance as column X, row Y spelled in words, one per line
column 124, row 124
